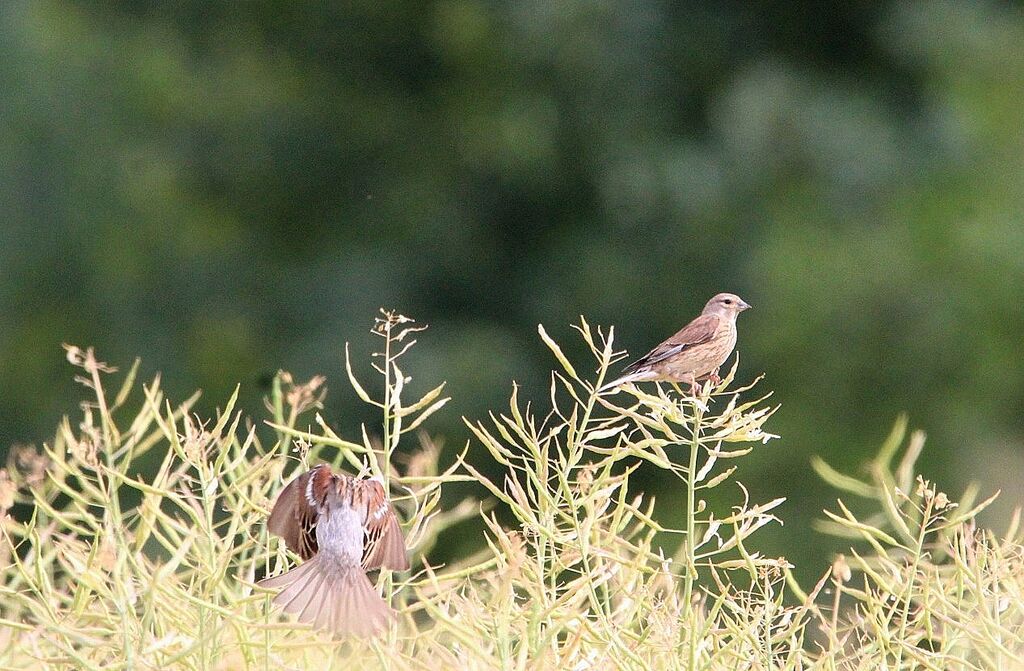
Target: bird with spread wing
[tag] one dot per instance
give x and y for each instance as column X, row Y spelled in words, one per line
column 341, row 527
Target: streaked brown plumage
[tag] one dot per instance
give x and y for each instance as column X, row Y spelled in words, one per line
column 342, row 527
column 696, row 352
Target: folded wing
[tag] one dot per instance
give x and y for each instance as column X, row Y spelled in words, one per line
column 699, row 331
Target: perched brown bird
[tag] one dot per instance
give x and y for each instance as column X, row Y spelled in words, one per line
column 694, row 353
column 342, row 527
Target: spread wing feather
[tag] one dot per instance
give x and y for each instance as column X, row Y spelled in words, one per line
column 384, row 546
column 294, row 519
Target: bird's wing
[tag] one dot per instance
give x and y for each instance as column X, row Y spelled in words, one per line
column 294, row 516
column 700, row 330
column 384, row 546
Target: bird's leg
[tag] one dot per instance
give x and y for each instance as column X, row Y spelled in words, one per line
column 692, row 381
column 715, row 380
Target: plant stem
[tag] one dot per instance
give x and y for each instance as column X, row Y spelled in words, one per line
column 691, row 525
column 385, row 467
column 908, row 595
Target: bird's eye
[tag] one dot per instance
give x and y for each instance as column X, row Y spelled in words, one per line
column 728, row 301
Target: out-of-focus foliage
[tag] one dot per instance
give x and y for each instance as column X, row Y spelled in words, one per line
column 228, row 189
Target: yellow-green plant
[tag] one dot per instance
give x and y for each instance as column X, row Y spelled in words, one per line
column 931, row 591
column 134, row 538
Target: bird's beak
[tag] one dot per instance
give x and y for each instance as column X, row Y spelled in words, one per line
column 744, row 305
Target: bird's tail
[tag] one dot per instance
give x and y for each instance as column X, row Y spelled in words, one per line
column 340, row 600
column 637, row 376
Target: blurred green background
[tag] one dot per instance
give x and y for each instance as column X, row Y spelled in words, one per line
column 226, row 189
